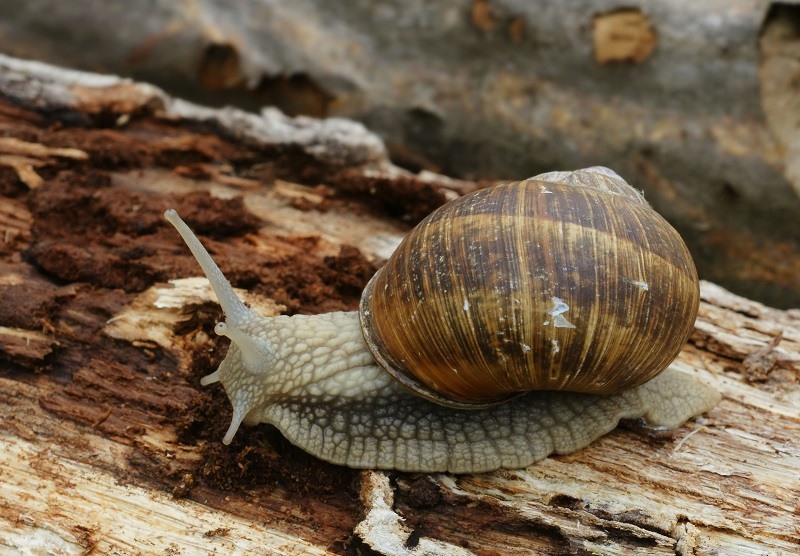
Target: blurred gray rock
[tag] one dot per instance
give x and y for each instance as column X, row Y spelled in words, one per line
column 696, row 103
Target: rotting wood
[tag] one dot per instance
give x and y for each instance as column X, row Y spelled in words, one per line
column 23, row 157
column 108, row 444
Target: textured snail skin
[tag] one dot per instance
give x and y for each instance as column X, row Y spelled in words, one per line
column 314, row 378
column 327, row 396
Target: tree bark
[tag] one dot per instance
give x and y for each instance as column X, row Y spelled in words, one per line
column 108, row 444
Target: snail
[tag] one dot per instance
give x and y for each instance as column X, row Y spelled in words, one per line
column 514, row 322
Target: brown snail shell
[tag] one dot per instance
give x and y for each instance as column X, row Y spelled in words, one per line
column 566, row 281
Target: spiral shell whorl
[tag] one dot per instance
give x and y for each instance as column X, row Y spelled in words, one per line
column 541, row 284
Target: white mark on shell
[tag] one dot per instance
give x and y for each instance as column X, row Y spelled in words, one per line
column 641, row 284
column 525, row 348
column 466, row 305
column 557, row 312
column 554, row 346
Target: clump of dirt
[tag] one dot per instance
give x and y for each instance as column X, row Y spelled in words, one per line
column 28, row 300
column 87, row 231
column 350, row 271
column 422, row 493
column 408, row 199
column 72, row 263
column 207, row 419
column 214, row 217
column 260, row 455
column 297, row 277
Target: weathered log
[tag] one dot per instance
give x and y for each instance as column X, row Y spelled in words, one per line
column 109, row 444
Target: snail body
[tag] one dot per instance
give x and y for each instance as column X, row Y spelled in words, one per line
column 566, row 287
